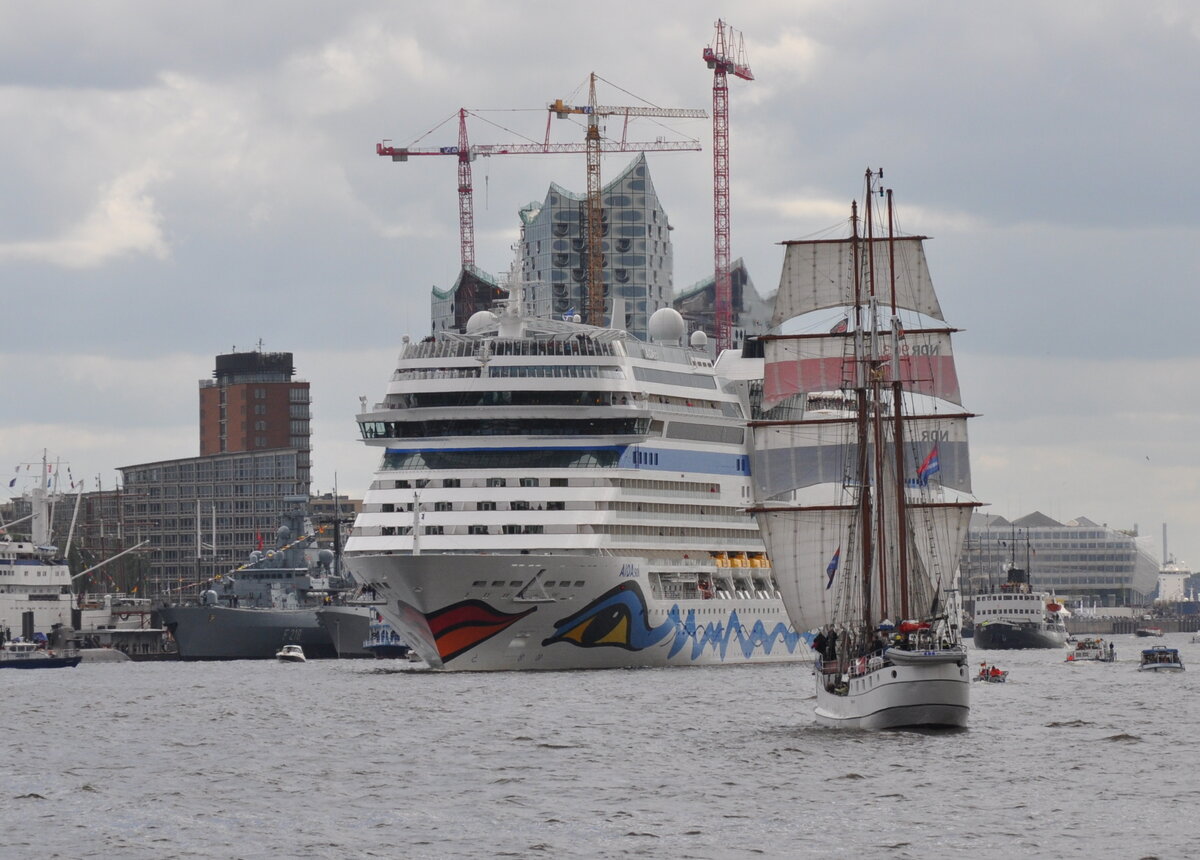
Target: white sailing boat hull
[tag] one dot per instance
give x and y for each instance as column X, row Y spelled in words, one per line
column 918, row 689
column 474, row 613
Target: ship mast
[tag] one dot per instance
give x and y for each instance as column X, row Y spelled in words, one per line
column 898, row 422
column 864, row 494
column 875, row 374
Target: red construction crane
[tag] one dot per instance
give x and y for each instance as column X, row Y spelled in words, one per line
column 726, row 55
column 467, row 152
column 595, row 230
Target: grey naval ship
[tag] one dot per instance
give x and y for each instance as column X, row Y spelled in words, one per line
column 270, row 601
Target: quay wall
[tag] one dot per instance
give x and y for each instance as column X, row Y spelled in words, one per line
column 1117, row 625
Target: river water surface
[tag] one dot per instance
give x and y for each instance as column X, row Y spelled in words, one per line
column 373, row 759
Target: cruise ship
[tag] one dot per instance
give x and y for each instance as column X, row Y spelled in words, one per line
column 553, row 495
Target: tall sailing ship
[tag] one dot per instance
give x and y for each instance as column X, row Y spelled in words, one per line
column 554, row 495
column 862, row 478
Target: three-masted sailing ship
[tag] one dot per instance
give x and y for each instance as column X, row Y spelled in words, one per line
column 862, row 476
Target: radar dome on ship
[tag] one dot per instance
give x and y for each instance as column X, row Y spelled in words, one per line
column 283, row 534
column 666, row 326
column 699, row 339
column 480, row 321
column 325, row 557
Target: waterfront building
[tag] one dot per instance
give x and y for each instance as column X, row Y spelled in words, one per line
column 638, row 254
column 751, row 314
column 473, row 290
column 204, row 515
column 254, row 403
column 1076, row 560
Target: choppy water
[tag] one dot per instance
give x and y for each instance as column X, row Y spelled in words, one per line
column 361, row 759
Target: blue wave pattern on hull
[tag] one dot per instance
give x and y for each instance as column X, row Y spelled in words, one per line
column 618, row 619
column 718, row 636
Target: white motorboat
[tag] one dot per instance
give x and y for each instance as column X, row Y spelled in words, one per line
column 1092, row 649
column 290, row 654
column 1160, row 658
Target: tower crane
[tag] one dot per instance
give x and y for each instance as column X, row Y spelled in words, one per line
column 467, row 152
column 595, row 233
column 726, row 55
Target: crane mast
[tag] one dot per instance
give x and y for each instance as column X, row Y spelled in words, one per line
column 466, row 198
column 595, row 206
column 723, row 57
column 466, row 152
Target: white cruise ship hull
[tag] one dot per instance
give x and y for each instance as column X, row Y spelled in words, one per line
column 558, row 611
column 913, row 690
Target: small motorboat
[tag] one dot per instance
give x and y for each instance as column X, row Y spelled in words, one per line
column 290, row 654
column 1160, row 658
column 1145, row 632
column 991, row 675
column 19, row 654
column 1092, row 650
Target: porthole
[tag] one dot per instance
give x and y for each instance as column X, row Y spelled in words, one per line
column 894, row 673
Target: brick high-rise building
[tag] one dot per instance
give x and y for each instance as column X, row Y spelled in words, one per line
column 254, row 404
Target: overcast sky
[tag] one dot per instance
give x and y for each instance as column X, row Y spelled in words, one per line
column 182, row 179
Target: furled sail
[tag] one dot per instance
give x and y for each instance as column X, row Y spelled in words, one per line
column 796, row 454
column 797, row 364
column 820, row 274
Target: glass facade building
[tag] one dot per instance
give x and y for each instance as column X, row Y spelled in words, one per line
column 638, row 256
column 227, row 503
column 1075, row 560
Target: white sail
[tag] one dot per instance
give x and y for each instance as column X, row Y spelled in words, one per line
column 820, row 274
column 798, row 364
column 940, row 531
column 797, row 454
column 813, row 558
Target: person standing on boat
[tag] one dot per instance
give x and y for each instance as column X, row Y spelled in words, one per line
column 819, row 643
column 1112, row 652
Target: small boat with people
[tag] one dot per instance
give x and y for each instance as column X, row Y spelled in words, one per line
column 21, row 654
column 290, row 654
column 1160, row 658
column 1092, row 650
column 990, row 674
